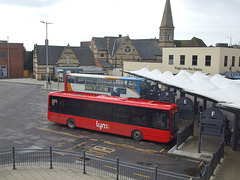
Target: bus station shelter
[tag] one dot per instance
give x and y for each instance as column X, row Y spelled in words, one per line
column 222, row 92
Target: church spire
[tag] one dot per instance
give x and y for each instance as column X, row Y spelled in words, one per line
column 166, row 35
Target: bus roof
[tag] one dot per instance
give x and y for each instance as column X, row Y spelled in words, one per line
column 115, row 100
column 105, row 76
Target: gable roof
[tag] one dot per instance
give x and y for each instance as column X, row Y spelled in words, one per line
column 101, row 43
column 83, row 54
column 54, row 53
column 147, row 48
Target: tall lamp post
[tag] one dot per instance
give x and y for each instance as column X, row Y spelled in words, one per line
column 46, row 43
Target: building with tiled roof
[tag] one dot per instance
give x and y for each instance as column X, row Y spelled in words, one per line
column 111, row 52
column 60, row 56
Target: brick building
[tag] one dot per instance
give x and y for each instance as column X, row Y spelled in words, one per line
column 11, row 59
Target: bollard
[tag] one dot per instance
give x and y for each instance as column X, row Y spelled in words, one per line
column 156, row 172
column 51, row 166
column 13, row 156
column 177, row 140
column 117, row 168
column 84, row 162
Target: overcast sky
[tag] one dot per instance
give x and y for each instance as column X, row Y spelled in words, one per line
column 214, row 21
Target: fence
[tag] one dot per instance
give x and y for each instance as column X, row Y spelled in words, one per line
column 87, row 163
column 210, row 167
column 184, row 134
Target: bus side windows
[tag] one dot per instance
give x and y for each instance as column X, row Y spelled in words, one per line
column 80, row 80
column 139, row 116
column 121, row 114
column 133, row 84
column 104, row 111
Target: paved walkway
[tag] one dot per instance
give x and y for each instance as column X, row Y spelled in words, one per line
column 227, row 170
column 43, row 172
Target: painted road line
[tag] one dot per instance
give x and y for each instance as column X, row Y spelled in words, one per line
column 141, row 175
column 94, row 139
column 110, row 167
column 132, row 147
column 96, row 153
column 2, row 138
column 76, row 146
column 162, row 150
column 37, row 147
column 60, row 144
column 59, row 153
column 18, row 142
column 200, row 165
column 62, row 133
column 103, row 149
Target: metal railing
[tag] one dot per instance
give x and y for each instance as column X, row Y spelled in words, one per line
column 184, row 135
column 87, row 163
column 215, row 160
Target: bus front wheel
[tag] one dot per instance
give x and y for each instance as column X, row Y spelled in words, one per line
column 137, row 135
column 71, row 124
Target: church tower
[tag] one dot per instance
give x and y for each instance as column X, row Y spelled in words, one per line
column 166, row 35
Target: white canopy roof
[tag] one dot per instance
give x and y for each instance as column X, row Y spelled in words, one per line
column 217, row 87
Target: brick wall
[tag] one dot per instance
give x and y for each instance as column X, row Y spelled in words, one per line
column 16, row 58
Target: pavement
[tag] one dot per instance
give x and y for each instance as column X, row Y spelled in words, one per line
column 228, row 169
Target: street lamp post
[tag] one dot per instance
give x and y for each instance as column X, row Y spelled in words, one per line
column 46, row 43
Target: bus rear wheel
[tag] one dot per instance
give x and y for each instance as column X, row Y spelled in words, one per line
column 137, row 135
column 71, row 124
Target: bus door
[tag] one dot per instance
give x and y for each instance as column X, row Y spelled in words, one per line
column 58, row 106
column 62, row 109
column 70, row 83
column 160, row 121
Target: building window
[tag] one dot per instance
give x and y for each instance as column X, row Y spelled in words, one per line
column 194, row 60
column 233, row 61
column 2, row 55
column 170, row 62
column 182, row 60
column 208, row 61
column 169, row 37
column 68, row 60
column 225, row 61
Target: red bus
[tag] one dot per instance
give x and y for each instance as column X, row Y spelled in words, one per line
column 136, row 118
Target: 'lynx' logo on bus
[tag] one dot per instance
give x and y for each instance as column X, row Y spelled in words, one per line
column 102, row 125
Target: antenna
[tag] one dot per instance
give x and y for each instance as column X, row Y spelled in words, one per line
column 230, row 38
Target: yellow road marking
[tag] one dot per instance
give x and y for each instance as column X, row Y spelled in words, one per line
column 37, row 147
column 2, row 138
column 142, row 175
column 94, row 139
column 63, row 133
column 96, row 153
column 131, row 147
column 200, row 165
column 76, row 146
column 60, row 144
column 162, row 150
column 110, row 167
column 18, row 142
column 59, row 153
column 103, row 149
